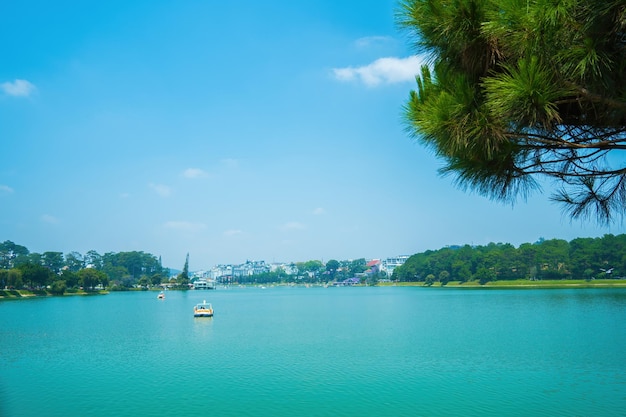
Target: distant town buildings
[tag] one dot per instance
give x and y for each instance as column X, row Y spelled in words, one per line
column 225, row 273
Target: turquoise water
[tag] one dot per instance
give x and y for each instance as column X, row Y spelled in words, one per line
column 283, row 351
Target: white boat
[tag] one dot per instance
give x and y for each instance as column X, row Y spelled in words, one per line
column 203, row 309
column 203, row 284
column 161, row 296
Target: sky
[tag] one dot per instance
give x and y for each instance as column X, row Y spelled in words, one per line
column 229, row 131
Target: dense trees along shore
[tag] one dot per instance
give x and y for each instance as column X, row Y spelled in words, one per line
column 555, row 260
column 19, row 268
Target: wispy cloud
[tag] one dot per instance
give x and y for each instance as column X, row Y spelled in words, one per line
column 47, row 218
column 293, row 226
column 184, row 226
column 319, row 211
column 18, row 88
column 162, row 190
column 5, row 189
column 232, row 232
column 230, row 163
column 382, row 71
column 195, row 173
column 367, row 41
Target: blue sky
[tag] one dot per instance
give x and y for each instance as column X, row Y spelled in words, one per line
column 230, row 131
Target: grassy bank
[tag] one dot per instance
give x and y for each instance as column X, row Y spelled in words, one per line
column 522, row 283
column 43, row 293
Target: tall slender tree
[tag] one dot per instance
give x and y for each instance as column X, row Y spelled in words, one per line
column 183, row 277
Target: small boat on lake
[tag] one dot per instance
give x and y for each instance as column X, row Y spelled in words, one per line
column 203, row 284
column 203, row 309
column 161, row 296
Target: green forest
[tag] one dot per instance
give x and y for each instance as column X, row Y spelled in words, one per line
column 58, row 272
column 554, row 259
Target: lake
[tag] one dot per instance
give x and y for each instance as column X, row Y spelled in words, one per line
column 295, row 351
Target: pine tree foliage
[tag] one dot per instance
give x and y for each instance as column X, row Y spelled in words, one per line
column 183, row 277
column 516, row 90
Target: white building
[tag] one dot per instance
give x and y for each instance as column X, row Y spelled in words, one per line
column 389, row 264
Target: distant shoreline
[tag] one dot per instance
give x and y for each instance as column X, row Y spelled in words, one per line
column 515, row 284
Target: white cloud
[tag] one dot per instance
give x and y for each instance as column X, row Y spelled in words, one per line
column 18, row 88
column 319, row 211
column 195, row 173
column 233, row 232
column 293, row 226
column 368, row 41
column 384, row 70
column 160, row 189
column 46, row 218
column 5, row 189
column 183, row 226
column 230, row 163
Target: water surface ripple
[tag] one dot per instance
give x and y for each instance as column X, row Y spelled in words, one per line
column 284, row 351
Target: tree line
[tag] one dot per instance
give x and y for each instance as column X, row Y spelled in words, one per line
column 60, row 272
column 581, row 258
column 554, row 259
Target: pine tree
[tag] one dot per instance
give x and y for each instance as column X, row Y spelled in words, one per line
column 523, row 89
column 183, row 277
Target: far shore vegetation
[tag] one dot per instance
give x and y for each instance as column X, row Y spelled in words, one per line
column 554, row 263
